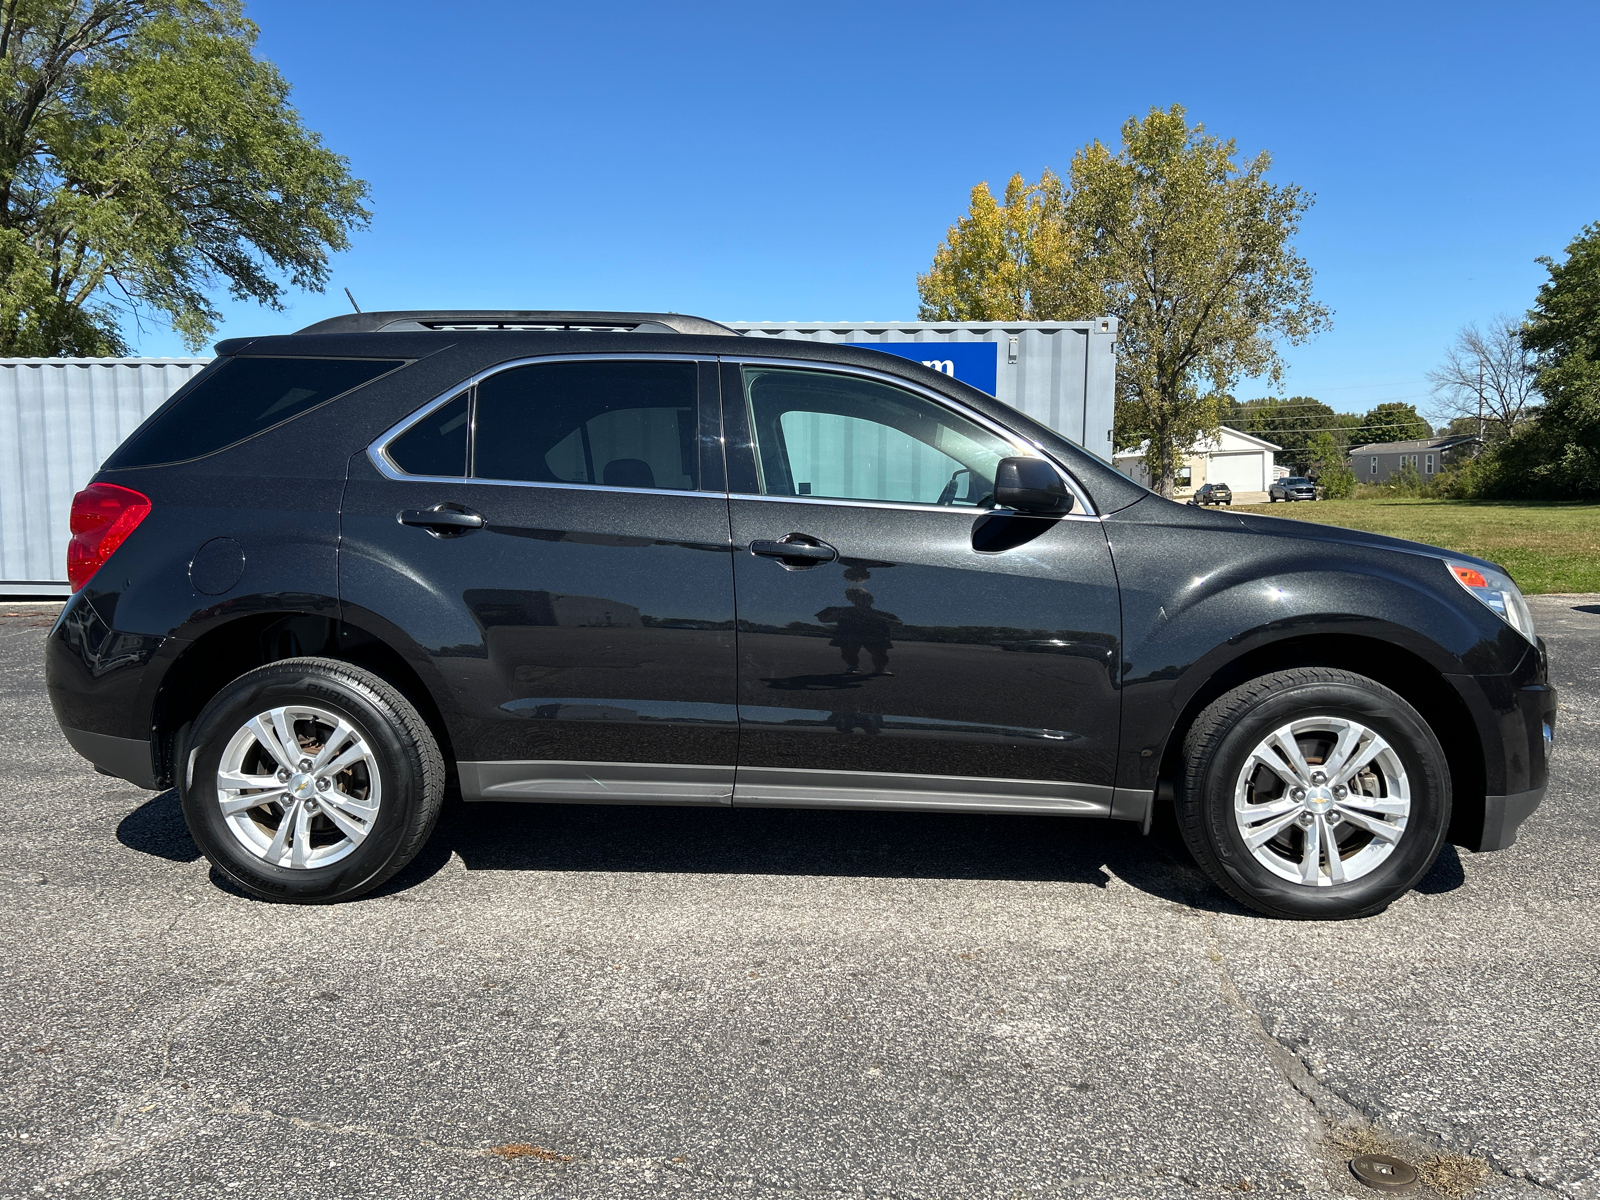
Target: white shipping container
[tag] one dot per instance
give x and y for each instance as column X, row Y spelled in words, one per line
column 1061, row 373
column 60, row 418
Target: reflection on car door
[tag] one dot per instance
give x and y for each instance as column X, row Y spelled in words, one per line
column 899, row 643
column 557, row 542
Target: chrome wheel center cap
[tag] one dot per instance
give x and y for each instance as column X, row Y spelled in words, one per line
column 302, row 786
column 1318, row 799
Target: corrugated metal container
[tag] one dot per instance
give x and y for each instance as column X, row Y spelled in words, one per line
column 60, row 418
column 1061, row 373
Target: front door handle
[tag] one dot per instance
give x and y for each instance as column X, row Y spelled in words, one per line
column 443, row 522
column 795, row 550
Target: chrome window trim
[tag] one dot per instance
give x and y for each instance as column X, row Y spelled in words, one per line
column 378, row 448
column 1017, row 442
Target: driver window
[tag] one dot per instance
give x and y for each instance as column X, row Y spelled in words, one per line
column 842, row 437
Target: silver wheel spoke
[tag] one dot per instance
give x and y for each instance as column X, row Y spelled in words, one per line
column 301, row 853
column 1382, row 804
column 234, row 804
column 351, row 827
column 238, row 781
column 1277, row 766
column 348, row 759
column 268, row 737
column 341, row 734
column 1283, row 741
column 1378, row 829
column 1361, row 758
column 1311, row 858
column 1344, row 745
column 356, row 808
column 280, row 839
column 1268, row 808
column 283, row 727
column 1264, row 833
column 1330, row 846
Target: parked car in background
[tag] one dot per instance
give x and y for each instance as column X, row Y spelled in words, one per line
column 620, row 558
column 1212, row 493
column 1291, row 487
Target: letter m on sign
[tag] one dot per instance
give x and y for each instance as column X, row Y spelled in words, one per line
column 943, row 365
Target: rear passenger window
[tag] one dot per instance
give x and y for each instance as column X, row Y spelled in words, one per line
column 619, row 424
column 238, row 398
column 435, row 445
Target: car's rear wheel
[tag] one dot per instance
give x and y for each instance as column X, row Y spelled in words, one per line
column 310, row 780
column 1314, row 793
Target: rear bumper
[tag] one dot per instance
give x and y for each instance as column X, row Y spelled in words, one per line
column 126, row 758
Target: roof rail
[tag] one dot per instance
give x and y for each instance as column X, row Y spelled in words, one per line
column 517, row 320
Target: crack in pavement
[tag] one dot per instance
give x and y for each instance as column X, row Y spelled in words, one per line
column 1337, row 1111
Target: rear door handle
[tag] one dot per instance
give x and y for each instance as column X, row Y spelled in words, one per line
column 442, row 521
column 795, row 550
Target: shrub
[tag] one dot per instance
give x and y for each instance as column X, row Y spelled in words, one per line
column 1406, row 481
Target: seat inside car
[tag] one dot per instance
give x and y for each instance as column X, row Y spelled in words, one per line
column 629, row 473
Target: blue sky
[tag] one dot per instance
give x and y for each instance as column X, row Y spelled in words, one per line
column 802, row 162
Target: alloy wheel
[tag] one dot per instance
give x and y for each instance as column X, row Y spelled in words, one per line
column 1322, row 800
column 298, row 786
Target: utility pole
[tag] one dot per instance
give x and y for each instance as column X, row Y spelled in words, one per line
column 1480, row 401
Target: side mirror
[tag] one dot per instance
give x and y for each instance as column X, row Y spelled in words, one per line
column 1030, row 485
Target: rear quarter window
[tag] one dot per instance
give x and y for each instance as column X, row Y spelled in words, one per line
column 238, row 398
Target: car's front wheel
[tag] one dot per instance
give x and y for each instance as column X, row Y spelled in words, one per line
column 310, row 780
column 1314, row 793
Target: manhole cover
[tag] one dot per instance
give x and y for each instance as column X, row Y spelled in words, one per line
column 1384, row 1173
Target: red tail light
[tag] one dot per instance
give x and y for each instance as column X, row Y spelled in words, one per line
column 103, row 515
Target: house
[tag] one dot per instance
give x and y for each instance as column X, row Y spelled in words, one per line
column 1378, row 461
column 1240, row 460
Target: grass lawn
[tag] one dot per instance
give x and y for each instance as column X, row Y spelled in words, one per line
column 1546, row 547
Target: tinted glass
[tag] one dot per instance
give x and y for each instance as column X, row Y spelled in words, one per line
column 238, row 398
column 622, row 424
column 846, row 438
column 435, row 445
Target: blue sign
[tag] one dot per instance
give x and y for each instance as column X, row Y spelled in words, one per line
column 974, row 363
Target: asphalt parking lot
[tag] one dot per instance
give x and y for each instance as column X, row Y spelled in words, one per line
column 561, row 1001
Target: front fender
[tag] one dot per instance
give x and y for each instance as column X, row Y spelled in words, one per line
column 1203, row 592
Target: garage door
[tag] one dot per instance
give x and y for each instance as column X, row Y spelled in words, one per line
column 1242, row 471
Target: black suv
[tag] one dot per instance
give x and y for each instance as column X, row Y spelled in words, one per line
column 636, row 559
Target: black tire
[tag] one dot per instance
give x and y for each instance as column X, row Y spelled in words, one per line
column 1217, row 748
column 410, row 769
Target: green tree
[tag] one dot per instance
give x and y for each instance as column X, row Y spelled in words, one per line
column 1327, row 462
column 1391, row 422
column 1189, row 248
column 1557, row 456
column 147, row 156
column 1294, row 424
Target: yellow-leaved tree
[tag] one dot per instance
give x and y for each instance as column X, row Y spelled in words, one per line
column 1188, row 248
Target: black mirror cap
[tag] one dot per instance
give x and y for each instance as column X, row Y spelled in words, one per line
column 1030, row 485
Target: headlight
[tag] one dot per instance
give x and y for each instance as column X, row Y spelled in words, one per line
column 1498, row 592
